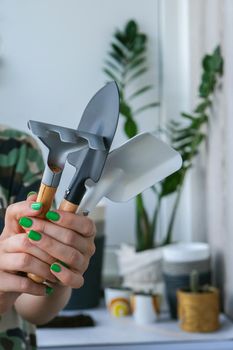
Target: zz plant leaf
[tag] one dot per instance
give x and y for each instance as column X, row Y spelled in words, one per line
column 127, row 64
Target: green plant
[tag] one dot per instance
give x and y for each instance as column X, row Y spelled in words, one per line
column 194, row 282
column 127, row 62
column 187, row 139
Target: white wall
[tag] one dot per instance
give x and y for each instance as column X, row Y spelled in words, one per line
column 52, row 53
column 175, row 91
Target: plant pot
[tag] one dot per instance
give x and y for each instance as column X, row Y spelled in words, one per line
column 140, row 271
column 198, row 312
column 145, row 307
column 179, row 260
column 117, row 300
column 88, row 296
column 173, row 283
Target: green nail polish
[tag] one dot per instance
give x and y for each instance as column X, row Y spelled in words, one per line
column 52, row 215
column 31, row 193
column 49, row 290
column 34, row 235
column 26, row 222
column 55, row 267
column 36, row 205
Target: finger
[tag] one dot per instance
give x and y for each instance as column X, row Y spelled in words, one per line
column 66, row 236
column 78, row 223
column 21, row 244
column 15, row 212
column 31, row 196
column 24, row 262
column 67, row 276
column 14, row 283
column 71, row 256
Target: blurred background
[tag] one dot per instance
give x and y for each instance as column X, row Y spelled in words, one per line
column 52, row 56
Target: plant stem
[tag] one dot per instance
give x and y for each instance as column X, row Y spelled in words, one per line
column 154, row 220
column 143, row 225
column 167, row 239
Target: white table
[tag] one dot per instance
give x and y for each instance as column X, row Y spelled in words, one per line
column 110, row 333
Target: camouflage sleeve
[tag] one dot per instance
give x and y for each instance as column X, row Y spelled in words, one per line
column 21, row 167
column 29, row 169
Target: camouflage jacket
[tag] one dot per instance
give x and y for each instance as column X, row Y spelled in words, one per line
column 21, row 167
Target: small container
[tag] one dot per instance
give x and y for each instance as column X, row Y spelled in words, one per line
column 118, row 301
column 145, row 307
column 198, row 312
column 179, row 260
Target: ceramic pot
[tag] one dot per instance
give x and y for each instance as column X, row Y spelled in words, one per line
column 117, row 301
column 179, row 260
column 145, row 307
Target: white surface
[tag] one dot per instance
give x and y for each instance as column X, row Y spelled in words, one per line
column 181, row 252
column 111, row 330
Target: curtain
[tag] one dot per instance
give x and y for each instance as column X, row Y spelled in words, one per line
column 211, row 23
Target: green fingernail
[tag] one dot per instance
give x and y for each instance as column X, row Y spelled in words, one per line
column 31, row 193
column 34, row 235
column 55, row 267
column 64, row 264
column 36, row 205
column 52, row 215
column 49, row 290
column 26, row 222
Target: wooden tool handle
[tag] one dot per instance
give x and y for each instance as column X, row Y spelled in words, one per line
column 67, row 206
column 45, row 196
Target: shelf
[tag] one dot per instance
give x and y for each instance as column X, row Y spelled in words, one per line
column 116, row 331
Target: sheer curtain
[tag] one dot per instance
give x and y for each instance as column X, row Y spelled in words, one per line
column 211, row 23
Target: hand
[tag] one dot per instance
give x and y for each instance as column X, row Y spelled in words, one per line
column 68, row 239
column 18, row 254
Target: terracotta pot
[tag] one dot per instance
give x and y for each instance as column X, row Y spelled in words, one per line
column 198, row 312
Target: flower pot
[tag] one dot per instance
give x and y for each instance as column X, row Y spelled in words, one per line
column 179, row 260
column 198, row 312
column 118, row 301
column 140, row 271
column 145, row 307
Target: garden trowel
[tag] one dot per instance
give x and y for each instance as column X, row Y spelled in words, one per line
column 130, row 169
column 102, row 112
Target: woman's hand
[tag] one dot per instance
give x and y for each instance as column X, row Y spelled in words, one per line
column 18, row 254
column 67, row 239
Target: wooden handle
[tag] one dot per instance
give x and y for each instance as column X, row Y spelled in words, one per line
column 45, row 196
column 67, row 206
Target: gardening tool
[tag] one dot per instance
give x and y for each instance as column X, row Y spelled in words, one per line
column 103, row 111
column 61, row 143
column 97, row 128
column 130, row 169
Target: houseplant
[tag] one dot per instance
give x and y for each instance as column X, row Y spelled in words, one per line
column 126, row 63
column 198, row 307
